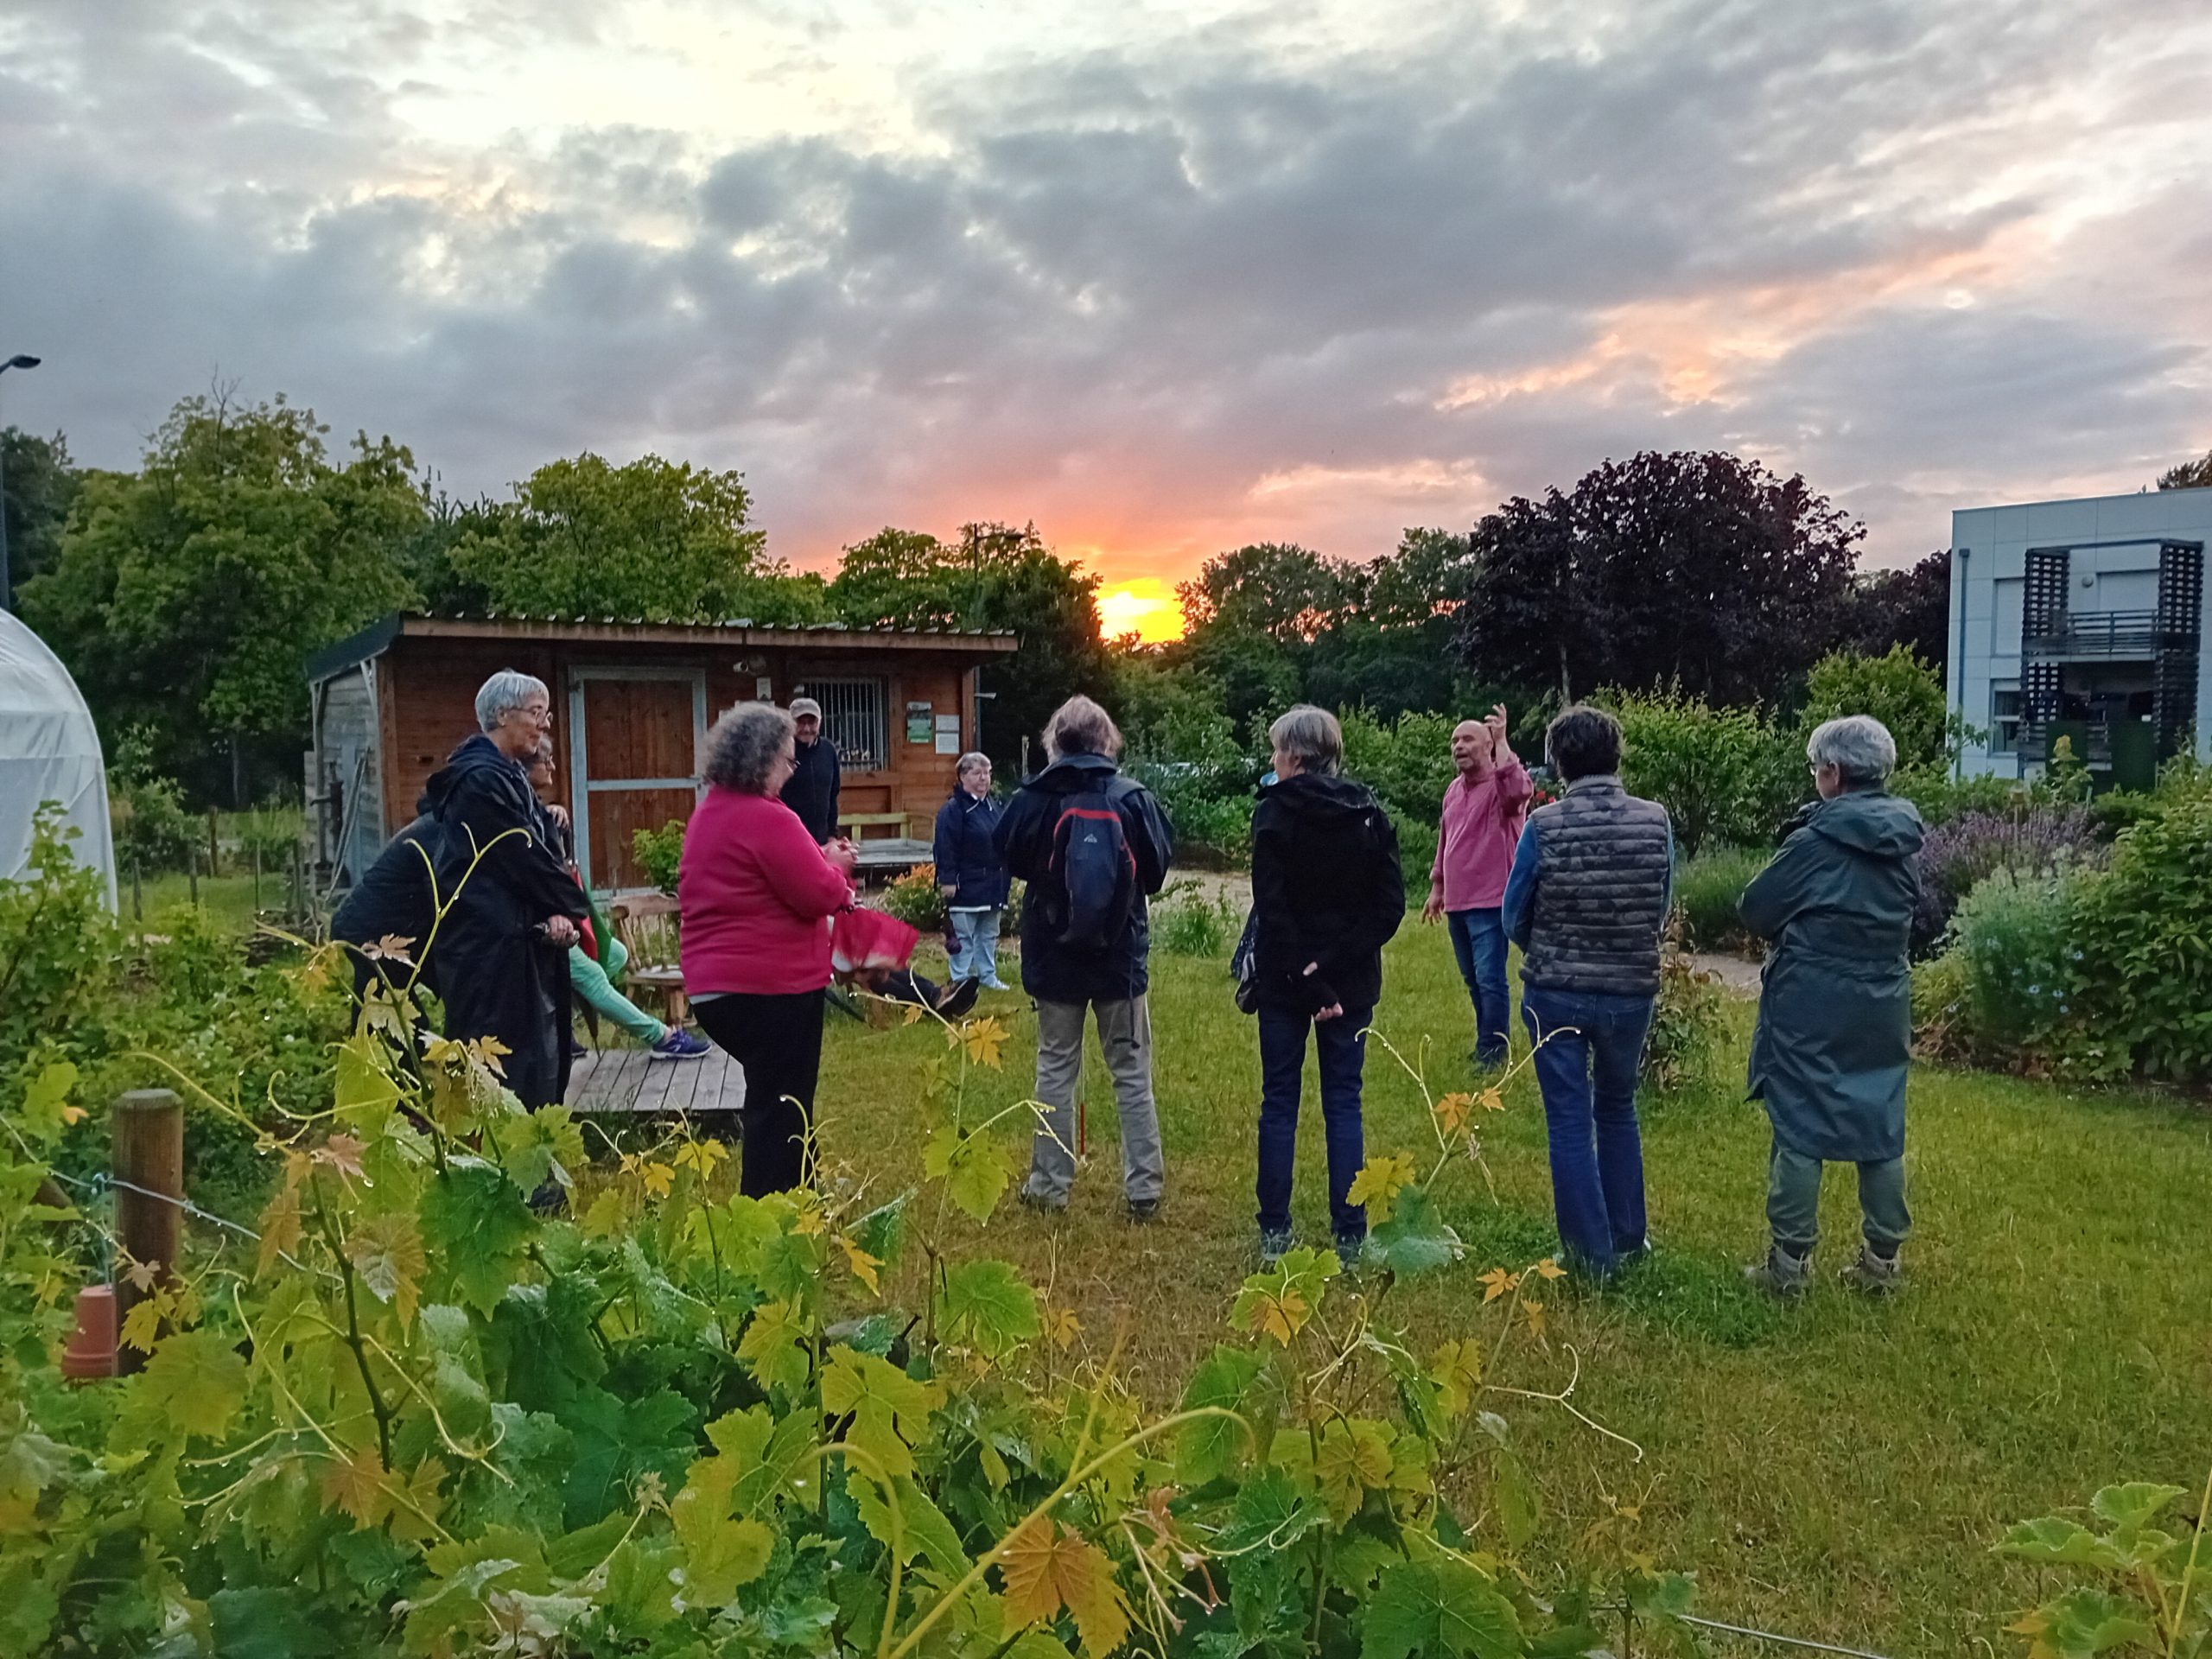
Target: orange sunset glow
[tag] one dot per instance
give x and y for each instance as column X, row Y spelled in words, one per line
column 1145, row 607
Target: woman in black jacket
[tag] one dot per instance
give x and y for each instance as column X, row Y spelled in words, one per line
column 1327, row 893
column 971, row 874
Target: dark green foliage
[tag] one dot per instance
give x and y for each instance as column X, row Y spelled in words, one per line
column 1708, row 890
column 993, row 577
column 660, row 853
column 1701, row 571
column 38, row 487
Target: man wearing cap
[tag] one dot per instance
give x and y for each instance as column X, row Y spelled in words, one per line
column 812, row 790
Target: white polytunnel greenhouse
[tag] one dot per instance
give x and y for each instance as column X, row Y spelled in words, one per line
column 50, row 751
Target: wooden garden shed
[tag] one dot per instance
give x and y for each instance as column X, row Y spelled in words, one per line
column 632, row 704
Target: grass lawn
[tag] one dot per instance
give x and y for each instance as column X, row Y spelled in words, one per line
column 228, row 898
column 1835, row 1469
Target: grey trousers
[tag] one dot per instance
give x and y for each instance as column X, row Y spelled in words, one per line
column 1125, row 1035
column 1793, row 1202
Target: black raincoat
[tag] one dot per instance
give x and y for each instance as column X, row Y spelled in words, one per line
column 1327, row 888
column 499, row 976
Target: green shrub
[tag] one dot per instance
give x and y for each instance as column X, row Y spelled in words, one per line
column 152, row 830
column 660, row 853
column 1708, row 891
column 2014, row 932
column 1941, row 798
column 1689, row 1026
column 1942, row 1009
column 1723, row 774
column 2143, row 933
column 1896, row 688
column 1186, row 923
column 273, row 832
column 916, row 900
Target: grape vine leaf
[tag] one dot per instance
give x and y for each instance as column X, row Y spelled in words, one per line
column 890, row 1410
column 1271, row 1513
column 386, row 1251
column 987, row 1306
column 1441, row 1609
column 972, row 1167
column 2081, row 1625
column 1209, row 1448
column 771, row 1345
column 1414, row 1239
column 721, row 1551
column 1278, row 1302
column 925, row 1529
column 353, row 1483
column 1046, row 1569
column 268, row 1622
column 198, row 1379
column 1378, row 1185
column 1354, row 1456
column 476, row 1225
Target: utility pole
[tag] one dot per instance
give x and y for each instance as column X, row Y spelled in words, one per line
column 7, row 571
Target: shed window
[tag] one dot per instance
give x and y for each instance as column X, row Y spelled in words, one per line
column 852, row 719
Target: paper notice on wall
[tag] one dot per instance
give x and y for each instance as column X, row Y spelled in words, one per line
column 948, row 733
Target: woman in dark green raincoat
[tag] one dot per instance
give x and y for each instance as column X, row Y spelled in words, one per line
column 1835, row 1004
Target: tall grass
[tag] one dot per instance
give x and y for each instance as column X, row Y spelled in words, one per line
column 1708, row 889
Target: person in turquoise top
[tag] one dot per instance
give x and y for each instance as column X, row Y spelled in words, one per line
column 1835, row 1034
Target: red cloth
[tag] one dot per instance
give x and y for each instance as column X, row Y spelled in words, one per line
column 755, row 892
column 1482, row 826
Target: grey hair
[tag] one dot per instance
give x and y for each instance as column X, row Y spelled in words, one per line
column 1312, row 734
column 968, row 762
column 502, row 694
column 1858, row 746
column 1081, row 726
column 744, row 744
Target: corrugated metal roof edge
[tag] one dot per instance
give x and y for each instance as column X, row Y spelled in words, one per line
column 376, row 638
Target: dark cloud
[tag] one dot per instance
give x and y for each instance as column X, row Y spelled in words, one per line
column 1162, row 294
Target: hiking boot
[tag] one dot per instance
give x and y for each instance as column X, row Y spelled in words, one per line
column 1143, row 1211
column 1348, row 1251
column 959, row 998
column 1274, row 1246
column 1781, row 1275
column 679, row 1045
column 1039, row 1202
column 1872, row 1274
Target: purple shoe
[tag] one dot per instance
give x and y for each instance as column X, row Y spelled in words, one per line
column 680, row 1044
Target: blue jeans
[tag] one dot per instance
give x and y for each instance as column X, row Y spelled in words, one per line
column 1591, row 1045
column 974, row 953
column 1341, row 1050
column 1479, row 941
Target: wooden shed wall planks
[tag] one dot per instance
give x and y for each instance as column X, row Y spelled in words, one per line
column 426, row 693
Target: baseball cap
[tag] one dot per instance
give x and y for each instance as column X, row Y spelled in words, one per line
column 806, row 706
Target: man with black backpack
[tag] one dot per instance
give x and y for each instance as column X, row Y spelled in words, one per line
column 1092, row 845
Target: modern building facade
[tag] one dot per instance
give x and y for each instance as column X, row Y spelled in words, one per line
column 2082, row 620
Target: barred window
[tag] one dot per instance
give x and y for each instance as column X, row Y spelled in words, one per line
column 852, row 719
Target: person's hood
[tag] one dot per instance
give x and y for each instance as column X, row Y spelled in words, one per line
column 1071, row 774
column 477, row 754
column 1869, row 821
column 1320, row 798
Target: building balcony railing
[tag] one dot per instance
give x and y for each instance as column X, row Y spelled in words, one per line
column 2098, row 633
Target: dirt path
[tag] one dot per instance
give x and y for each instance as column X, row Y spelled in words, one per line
column 1741, row 978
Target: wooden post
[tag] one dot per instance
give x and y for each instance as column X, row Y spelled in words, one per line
column 149, row 1155
column 215, row 848
column 256, row 875
column 137, row 892
column 192, row 872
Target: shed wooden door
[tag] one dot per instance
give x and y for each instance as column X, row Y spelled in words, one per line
column 635, row 737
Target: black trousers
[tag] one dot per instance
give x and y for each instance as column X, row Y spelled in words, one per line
column 778, row 1039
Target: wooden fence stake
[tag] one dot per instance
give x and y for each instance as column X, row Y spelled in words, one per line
column 149, row 1155
column 192, row 872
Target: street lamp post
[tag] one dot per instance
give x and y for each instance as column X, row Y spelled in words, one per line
column 7, row 571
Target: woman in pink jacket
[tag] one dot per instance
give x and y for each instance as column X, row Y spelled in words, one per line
column 755, row 892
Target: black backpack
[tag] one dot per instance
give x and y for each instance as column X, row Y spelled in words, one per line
column 1093, row 873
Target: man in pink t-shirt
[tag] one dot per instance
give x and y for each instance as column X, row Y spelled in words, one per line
column 1483, row 810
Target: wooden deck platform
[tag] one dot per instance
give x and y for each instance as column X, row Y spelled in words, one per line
column 892, row 855
column 625, row 1080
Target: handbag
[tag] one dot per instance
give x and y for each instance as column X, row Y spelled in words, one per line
column 1243, row 965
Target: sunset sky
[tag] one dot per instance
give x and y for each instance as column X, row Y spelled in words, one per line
column 1162, row 278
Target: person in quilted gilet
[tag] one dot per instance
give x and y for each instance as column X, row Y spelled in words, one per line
column 1586, row 902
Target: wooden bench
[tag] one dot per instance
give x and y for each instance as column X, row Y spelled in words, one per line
column 857, row 824
column 646, row 927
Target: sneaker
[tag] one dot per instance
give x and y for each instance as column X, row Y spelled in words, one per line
column 1274, row 1246
column 1872, row 1275
column 1489, row 1060
column 1039, row 1202
column 680, row 1044
column 1143, row 1211
column 577, row 1051
column 1348, row 1251
column 1781, row 1275
column 995, row 983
